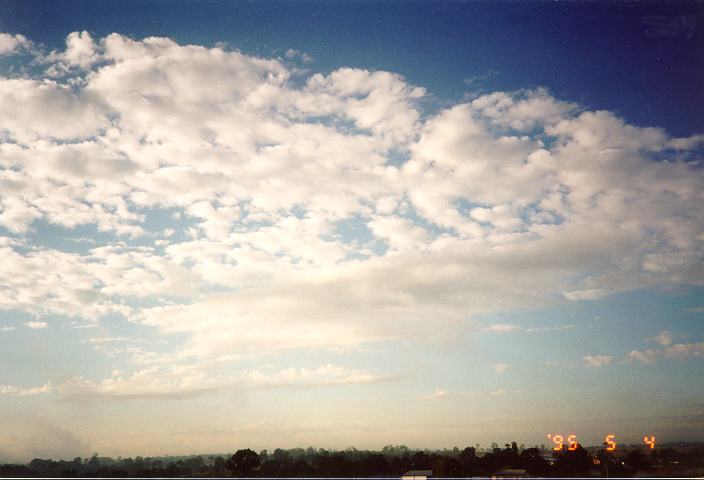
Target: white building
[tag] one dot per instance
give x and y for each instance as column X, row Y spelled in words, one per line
column 417, row 475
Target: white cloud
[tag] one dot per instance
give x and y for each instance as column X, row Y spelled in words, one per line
column 686, row 143
column 664, row 338
column 10, row 44
column 36, row 325
column 602, row 130
column 145, row 383
column 509, row 328
column 36, row 111
column 501, row 392
column 440, row 394
column 684, row 350
column 555, row 328
column 646, row 356
column 280, row 317
column 504, row 328
column 437, row 395
column 23, row 392
column 283, row 199
column 41, row 281
column 597, row 360
column 523, row 111
column 378, row 101
column 694, row 309
column 178, row 379
column 81, row 50
column 293, row 54
column 681, row 351
column 500, row 367
column 400, row 233
column 325, row 375
column 589, row 294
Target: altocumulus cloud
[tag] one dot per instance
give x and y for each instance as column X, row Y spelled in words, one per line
column 510, row 200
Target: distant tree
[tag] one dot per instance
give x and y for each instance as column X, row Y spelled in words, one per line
column 468, row 455
column 420, row 460
column 263, row 456
column 299, row 468
column 280, row 454
column 374, row 464
column 637, row 460
column 489, row 462
column 94, row 463
column 243, row 462
column 193, row 464
column 218, row 466
column 534, row 463
column 138, row 465
column 395, row 450
column 575, row 462
column 445, row 466
column 364, row 463
column 179, row 468
column 10, row 470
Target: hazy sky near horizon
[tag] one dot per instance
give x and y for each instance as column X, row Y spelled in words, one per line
column 278, row 224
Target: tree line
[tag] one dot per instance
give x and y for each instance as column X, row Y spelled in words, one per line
column 391, row 461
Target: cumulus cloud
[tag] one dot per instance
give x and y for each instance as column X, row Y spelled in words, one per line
column 325, row 375
column 437, row 395
column 500, row 367
column 681, row 351
column 43, row 281
column 440, row 394
column 328, row 213
column 684, row 350
column 179, row 380
column 293, row 54
column 694, row 309
column 646, row 356
column 589, row 294
column 36, row 325
column 25, row 391
column 81, row 50
column 37, row 111
column 504, row 328
column 597, row 360
column 555, row 328
column 664, row 338
column 11, row 44
column 522, row 110
column 510, row 328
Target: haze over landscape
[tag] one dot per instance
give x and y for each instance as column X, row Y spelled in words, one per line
column 278, row 224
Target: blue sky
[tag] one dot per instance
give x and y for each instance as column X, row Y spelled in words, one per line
column 278, row 224
column 634, row 59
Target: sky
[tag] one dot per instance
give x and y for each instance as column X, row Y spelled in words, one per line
column 233, row 225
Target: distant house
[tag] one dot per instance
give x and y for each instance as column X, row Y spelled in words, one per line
column 510, row 473
column 417, row 475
